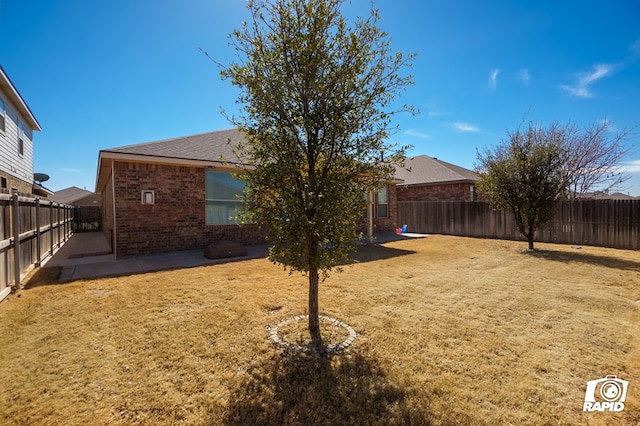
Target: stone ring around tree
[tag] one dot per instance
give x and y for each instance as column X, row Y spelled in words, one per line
column 283, row 341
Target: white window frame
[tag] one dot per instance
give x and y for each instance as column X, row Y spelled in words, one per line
column 385, row 203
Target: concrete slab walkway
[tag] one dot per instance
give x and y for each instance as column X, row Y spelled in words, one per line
column 84, row 256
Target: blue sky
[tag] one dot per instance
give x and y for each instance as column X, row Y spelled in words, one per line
column 100, row 74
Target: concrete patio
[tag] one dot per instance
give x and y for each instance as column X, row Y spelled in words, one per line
column 88, row 255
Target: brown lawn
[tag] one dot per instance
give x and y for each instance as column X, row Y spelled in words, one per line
column 450, row 331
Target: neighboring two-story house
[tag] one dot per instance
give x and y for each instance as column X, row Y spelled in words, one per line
column 17, row 124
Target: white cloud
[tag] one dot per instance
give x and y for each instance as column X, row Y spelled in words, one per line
column 66, row 169
column 524, row 76
column 412, row 132
column 635, row 46
column 632, row 166
column 465, row 127
column 493, row 79
column 581, row 88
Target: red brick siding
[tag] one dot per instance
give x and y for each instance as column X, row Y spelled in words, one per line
column 176, row 221
column 448, row 192
column 388, row 224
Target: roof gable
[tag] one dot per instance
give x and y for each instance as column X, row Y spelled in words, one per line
column 70, row 195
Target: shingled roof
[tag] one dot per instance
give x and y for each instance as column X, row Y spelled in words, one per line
column 216, row 149
column 70, row 195
column 425, row 170
column 212, row 146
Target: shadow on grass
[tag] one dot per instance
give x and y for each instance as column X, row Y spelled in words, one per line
column 582, row 257
column 43, row 276
column 306, row 389
column 373, row 252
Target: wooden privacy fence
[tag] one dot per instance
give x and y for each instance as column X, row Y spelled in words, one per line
column 606, row 223
column 31, row 231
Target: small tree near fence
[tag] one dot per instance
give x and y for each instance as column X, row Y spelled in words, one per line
column 533, row 169
column 317, row 102
column 526, row 174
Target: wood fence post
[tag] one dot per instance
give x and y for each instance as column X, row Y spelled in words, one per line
column 16, row 241
column 38, row 248
column 51, row 227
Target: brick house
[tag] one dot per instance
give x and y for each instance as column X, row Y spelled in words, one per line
column 429, row 179
column 17, row 124
column 180, row 194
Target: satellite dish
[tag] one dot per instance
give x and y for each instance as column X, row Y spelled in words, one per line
column 40, row 177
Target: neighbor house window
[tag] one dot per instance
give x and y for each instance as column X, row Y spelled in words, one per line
column 20, row 138
column 223, row 195
column 2, row 115
column 383, row 202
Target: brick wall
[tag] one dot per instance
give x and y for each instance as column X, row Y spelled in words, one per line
column 390, row 223
column 22, row 186
column 448, row 192
column 176, row 220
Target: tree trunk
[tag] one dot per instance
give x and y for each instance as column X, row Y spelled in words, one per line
column 314, row 320
column 530, row 236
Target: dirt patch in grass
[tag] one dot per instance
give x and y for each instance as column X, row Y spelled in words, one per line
column 450, row 331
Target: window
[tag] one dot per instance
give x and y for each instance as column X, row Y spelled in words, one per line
column 383, row 203
column 223, row 197
column 380, row 203
column 2, row 115
column 20, row 138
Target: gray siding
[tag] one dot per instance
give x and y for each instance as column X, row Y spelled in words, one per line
column 11, row 163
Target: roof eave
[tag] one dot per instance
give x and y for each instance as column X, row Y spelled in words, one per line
column 106, row 159
column 444, row 182
column 16, row 99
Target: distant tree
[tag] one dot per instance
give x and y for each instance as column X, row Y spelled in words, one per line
column 317, row 98
column 594, row 154
column 526, row 174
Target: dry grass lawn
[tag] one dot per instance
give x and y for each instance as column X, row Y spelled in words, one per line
column 450, row 331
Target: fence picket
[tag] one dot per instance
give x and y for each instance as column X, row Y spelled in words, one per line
column 606, row 223
column 31, row 230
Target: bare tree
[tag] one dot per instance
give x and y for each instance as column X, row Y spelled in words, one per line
column 593, row 157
